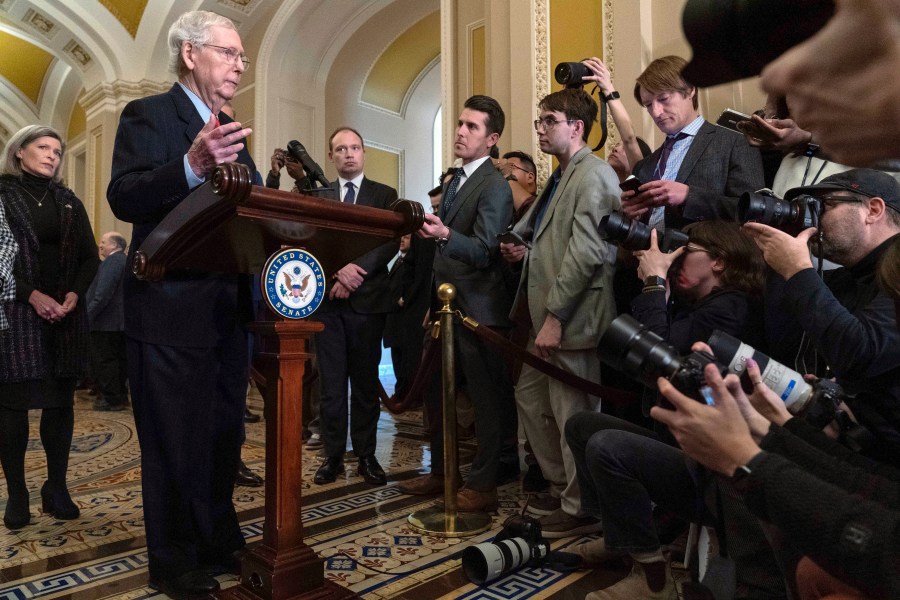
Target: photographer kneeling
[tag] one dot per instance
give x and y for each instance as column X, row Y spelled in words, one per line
column 623, row 468
column 847, row 319
column 837, row 508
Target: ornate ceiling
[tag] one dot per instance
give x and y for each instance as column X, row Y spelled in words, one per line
column 51, row 51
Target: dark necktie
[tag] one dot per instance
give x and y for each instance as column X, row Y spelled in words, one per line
column 450, row 194
column 350, row 196
column 668, row 145
column 656, row 218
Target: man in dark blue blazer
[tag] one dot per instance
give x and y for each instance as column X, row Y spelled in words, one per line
column 186, row 346
column 106, row 315
column 701, row 170
column 349, row 348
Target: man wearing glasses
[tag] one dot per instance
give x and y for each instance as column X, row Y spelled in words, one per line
column 566, row 291
column 849, row 320
column 521, row 173
column 186, row 345
column 701, row 170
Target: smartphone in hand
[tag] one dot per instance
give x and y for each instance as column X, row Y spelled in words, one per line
column 730, row 118
column 511, row 237
column 631, row 184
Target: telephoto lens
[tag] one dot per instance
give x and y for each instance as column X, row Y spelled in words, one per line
column 618, row 229
column 630, row 347
column 790, row 216
column 519, row 543
column 788, row 384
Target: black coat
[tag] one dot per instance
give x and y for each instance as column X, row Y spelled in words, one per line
column 185, row 309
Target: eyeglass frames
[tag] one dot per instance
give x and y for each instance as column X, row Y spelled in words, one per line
column 230, row 54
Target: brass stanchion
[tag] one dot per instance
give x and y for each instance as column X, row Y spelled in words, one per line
column 447, row 522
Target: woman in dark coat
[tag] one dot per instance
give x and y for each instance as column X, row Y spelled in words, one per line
column 46, row 346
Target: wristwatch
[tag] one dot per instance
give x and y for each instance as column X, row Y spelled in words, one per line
column 441, row 242
column 654, row 280
column 611, row 96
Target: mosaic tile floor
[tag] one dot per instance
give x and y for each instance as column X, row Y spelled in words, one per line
column 354, row 526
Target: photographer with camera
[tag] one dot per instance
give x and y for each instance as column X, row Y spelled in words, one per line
column 843, row 315
column 622, row 466
column 281, row 159
column 837, row 508
column 700, row 170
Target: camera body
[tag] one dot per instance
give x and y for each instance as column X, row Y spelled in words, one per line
column 630, row 347
column 520, row 543
column 790, row 216
column 618, row 229
column 570, row 74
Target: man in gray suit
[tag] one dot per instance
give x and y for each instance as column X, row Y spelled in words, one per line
column 701, row 170
column 566, row 285
column 106, row 313
column 477, row 205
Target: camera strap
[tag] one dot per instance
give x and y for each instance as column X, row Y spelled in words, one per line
column 604, row 131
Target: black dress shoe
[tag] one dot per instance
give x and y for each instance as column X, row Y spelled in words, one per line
column 247, row 478
column 190, row 585
column 250, row 417
column 330, row 468
column 371, row 471
column 222, row 565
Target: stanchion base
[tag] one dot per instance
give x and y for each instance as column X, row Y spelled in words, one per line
column 434, row 521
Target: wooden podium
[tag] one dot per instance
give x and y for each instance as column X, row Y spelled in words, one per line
column 232, row 226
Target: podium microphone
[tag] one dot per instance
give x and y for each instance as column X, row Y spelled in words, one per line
column 313, row 170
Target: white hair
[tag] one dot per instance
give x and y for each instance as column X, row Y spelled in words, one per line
column 192, row 27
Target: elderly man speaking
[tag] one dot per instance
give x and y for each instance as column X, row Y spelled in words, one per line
column 186, row 345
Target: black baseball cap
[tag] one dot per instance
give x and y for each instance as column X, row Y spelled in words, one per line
column 867, row 182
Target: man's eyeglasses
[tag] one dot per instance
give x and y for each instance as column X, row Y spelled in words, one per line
column 230, row 54
column 549, row 123
column 831, row 200
column 519, row 168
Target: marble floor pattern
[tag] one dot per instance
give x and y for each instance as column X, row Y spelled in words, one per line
column 359, row 529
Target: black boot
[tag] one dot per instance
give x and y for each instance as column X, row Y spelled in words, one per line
column 57, row 425
column 13, row 443
column 58, row 503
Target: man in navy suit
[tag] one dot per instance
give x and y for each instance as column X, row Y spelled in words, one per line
column 186, row 345
column 701, row 170
column 106, row 314
column 349, row 348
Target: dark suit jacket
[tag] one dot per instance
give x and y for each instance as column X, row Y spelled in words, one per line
column 105, row 308
column 410, row 280
column 373, row 296
column 719, row 166
column 186, row 309
column 482, row 208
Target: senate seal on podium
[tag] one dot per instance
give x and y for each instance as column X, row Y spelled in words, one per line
column 293, row 283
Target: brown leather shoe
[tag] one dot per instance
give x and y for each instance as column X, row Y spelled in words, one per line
column 469, row 500
column 425, row 485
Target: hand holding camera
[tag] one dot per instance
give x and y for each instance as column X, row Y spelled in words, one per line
column 717, row 435
column 786, row 254
column 654, row 262
column 277, row 161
